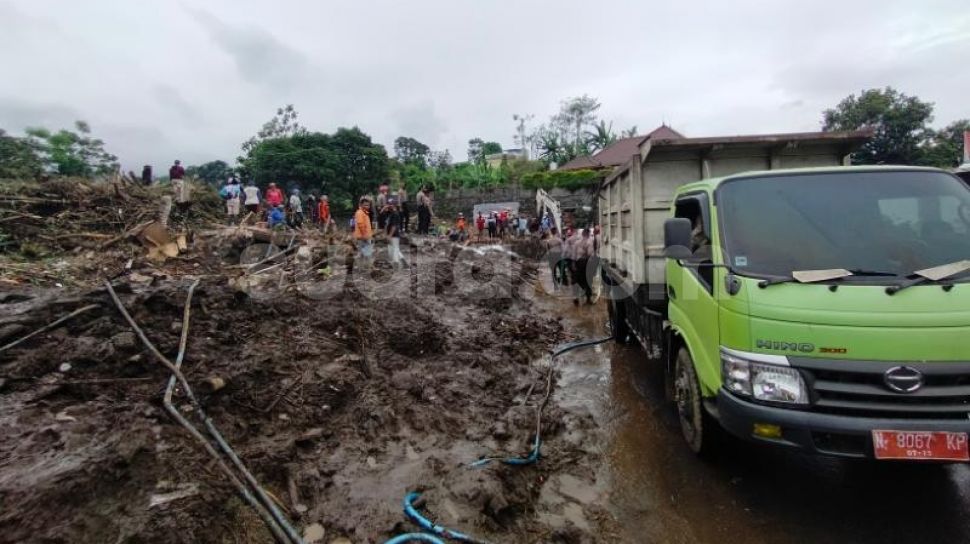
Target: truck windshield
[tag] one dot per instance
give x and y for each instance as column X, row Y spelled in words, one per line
column 890, row 222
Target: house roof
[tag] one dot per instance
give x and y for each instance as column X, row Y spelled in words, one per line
column 620, row 151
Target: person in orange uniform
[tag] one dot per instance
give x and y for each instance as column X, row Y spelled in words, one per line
column 363, row 232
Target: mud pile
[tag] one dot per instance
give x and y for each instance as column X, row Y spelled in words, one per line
column 66, row 231
column 339, row 398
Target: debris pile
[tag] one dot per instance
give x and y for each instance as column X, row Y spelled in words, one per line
column 341, row 392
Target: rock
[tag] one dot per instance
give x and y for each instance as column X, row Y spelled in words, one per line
column 313, row 533
column 341, row 540
column 371, row 462
column 124, row 340
column 64, row 367
column 63, row 416
column 215, row 383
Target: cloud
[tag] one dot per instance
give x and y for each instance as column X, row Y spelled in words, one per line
column 443, row 71
column 260, row 57
column 169, row 97
column 420, row 121
column 16, row 115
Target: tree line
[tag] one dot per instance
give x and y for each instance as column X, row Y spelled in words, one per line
column 348, row 163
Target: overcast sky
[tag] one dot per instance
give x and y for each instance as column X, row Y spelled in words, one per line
column 160, row 80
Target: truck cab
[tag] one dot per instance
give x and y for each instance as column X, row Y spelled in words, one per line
column 819, row 309
column 825, row 309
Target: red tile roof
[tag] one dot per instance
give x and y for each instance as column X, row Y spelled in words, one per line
column 620, row 151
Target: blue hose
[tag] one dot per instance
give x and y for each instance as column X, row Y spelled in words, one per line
column 415, row 537
column 579, row 344
column 534, row 456
column 411, row 512
column 515, row 461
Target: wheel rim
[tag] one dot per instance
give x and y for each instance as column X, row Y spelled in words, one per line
column 685, row 401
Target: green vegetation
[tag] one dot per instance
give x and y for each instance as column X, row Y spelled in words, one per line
column 901, row 127
column 18, row 159
column 212, row 172
column 572, row 180
column 69, row 153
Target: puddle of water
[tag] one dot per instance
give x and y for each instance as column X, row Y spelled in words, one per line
column 658, row 491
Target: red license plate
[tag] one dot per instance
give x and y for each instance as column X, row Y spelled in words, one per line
column 920, row 445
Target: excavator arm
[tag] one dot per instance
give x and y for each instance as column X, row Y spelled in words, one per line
column 545, row 203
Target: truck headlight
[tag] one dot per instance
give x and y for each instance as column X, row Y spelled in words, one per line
column 762, row 381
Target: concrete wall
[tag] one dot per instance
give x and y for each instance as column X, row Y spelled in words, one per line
column 449, row 203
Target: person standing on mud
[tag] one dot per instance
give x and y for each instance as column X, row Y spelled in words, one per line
column 363, row 232
column 296, row 209
column 480, row 225
column 554, row 256
column 424, row 210
column 582, row 251
column 492, row 225
column 146, row 175
column 231, row 193
column 180, row 189
column 381, row 205
column 405, row 211
column 324, row 212
column 393, row 220
column 251, row 197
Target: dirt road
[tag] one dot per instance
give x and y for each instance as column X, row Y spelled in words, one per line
column 659, row 492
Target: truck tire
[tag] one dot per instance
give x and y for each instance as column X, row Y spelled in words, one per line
column 698, row 428
column 618, row 326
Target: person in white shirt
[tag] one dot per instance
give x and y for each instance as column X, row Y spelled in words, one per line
column 296, row 209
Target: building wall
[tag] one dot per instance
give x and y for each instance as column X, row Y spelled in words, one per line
column 449, row 203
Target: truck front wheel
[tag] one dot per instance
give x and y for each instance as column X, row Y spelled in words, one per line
column 697, row 427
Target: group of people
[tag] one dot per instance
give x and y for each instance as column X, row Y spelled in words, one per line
column 501, row 224
column 571, row 259
column 274, row 207
column 390, row 217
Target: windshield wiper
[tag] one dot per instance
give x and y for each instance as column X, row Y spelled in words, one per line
column 935, row 275
column 872, row 273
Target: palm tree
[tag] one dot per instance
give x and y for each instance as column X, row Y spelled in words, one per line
column 601, row 136
column 630, row 132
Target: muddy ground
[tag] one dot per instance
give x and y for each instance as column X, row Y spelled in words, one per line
column 341, row 396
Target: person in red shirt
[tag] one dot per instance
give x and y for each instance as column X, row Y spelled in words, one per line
column 274, row 196
column 323, row 212
column 480, row 224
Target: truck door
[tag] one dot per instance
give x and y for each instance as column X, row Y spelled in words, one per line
column 693, row 308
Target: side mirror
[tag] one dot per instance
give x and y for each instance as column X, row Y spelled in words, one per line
column 677, row 235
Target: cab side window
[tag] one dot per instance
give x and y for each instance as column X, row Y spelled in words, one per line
column 692, row 208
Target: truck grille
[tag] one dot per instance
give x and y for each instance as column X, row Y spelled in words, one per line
column 858, row 388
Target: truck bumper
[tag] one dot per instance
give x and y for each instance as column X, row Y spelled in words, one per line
column 824, row 434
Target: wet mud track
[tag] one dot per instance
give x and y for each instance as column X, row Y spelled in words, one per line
column 658, row 491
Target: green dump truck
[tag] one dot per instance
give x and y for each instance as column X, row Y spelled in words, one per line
column 793, row 300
